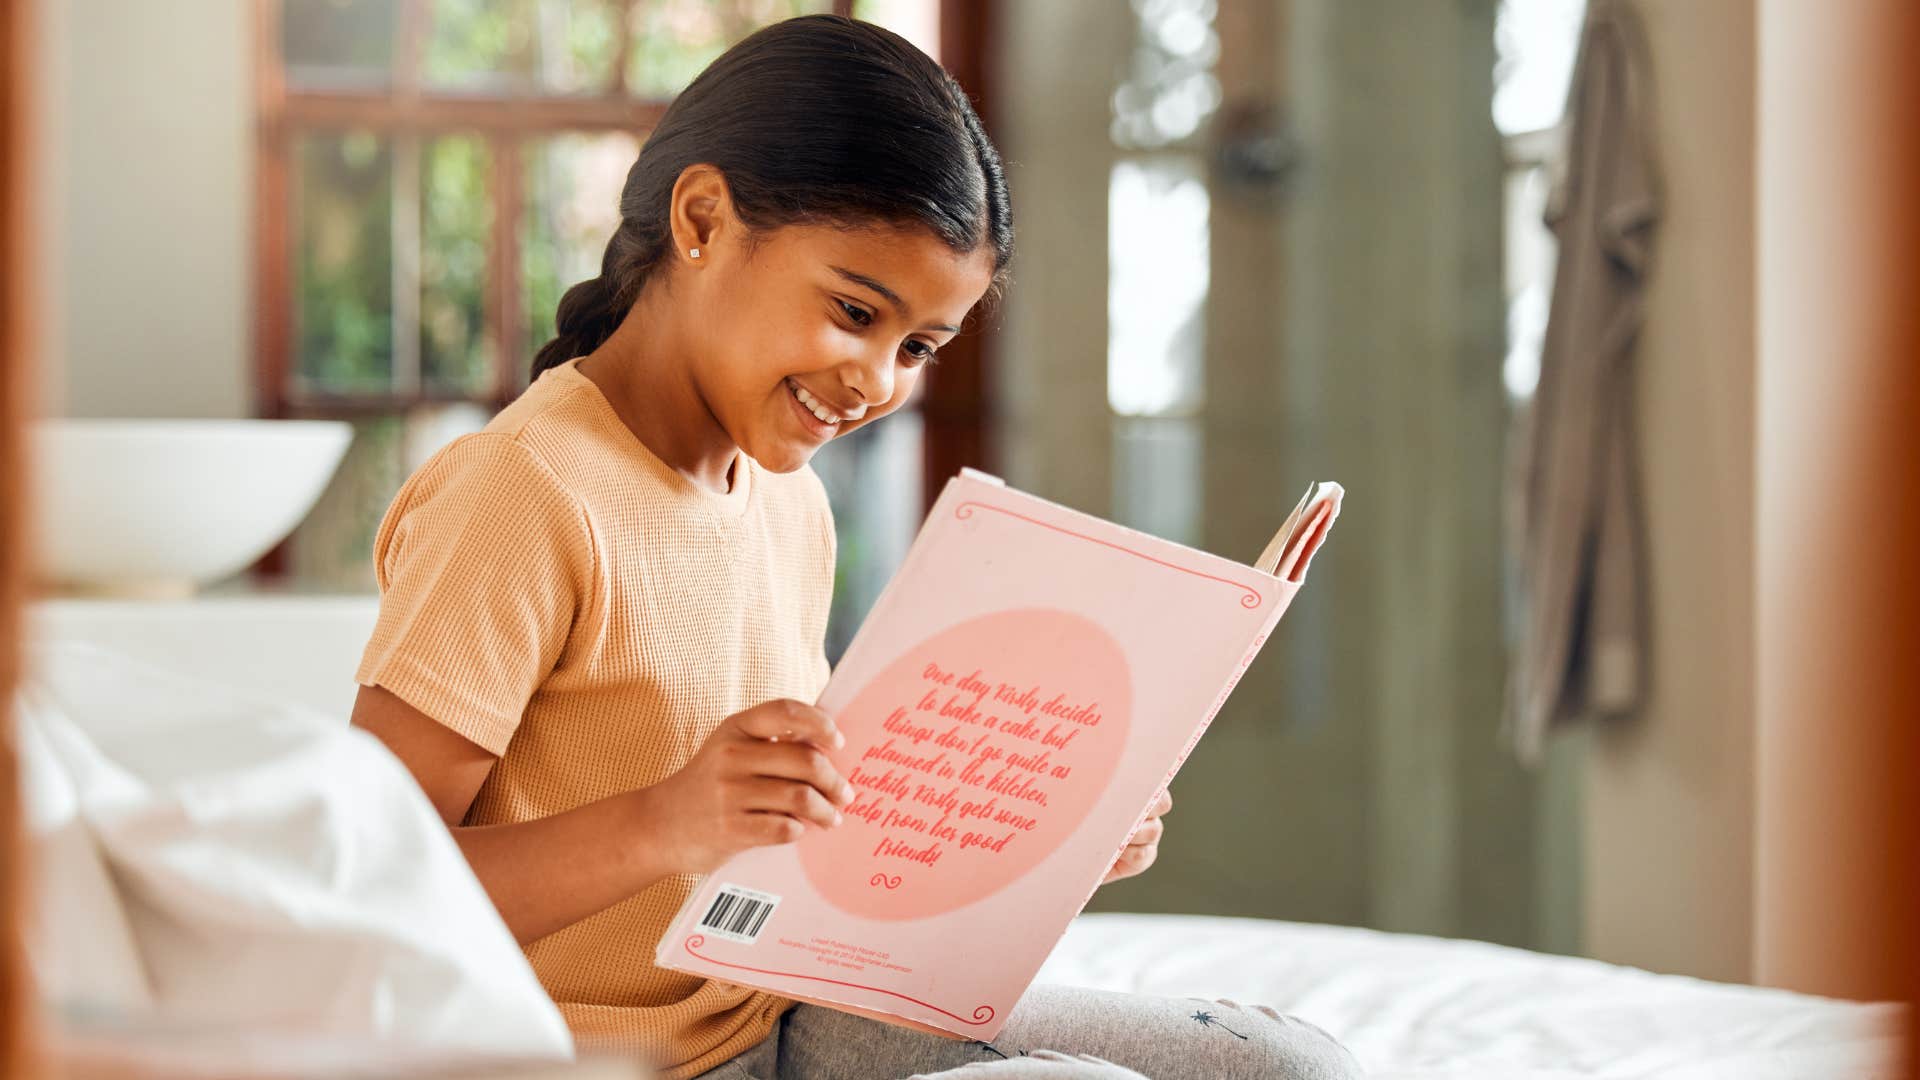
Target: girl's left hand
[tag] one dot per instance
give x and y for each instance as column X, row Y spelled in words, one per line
column 1143, row 846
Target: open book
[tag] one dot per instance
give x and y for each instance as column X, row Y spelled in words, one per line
column 1022, row 691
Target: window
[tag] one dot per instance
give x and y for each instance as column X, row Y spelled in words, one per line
column 436, row 172
column 1158, row 259
column 432, row 175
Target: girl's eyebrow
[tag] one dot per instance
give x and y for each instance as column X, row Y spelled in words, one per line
column 892, row 297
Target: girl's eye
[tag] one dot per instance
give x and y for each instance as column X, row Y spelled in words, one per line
column 863, row 318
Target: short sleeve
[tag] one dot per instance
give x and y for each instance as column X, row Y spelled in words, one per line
column 485, row 561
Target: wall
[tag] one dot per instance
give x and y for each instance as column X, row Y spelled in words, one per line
column 1669, row 812
column 1758, row 822
column 147, row 132
column 47, row 74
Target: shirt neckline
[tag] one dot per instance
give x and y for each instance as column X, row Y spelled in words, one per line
column 731, row 504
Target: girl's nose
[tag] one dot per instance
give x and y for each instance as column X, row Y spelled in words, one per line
column 871, row 377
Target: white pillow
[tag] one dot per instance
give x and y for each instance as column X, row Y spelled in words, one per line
column 276, row 869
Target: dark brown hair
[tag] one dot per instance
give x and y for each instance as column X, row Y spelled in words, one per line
column 819, row 119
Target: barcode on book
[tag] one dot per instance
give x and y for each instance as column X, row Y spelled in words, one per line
column 739, row 913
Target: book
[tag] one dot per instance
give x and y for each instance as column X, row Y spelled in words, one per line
column 1022, row 691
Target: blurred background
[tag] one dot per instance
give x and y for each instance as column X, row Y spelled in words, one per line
column 1261, row 242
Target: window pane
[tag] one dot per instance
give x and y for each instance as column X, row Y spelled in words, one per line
column 343, row 289
column 456, row 216
column 1157, row 482
column 1157, row 279
column 333, row 547
column 480, row 44
column 573, row 204
column 1536, row 42
column 559, row 46
column 674, row 39
column 332, row 43
column 1171, row 89
column 577, row 43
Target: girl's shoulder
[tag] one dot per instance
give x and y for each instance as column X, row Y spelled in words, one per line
column 539, row 440
column 486, row 476
column 486, row 501
column 554, row 416
column 487, row 460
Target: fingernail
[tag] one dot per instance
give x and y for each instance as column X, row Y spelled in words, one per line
column 839, row 740
column 837, row 819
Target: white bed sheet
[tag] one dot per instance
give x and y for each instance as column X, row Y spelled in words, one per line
column 1419, row 1008
column 214, row 865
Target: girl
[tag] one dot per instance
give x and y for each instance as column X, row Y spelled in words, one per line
column 602, row 616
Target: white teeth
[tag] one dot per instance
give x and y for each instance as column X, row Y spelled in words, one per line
column 813, row 406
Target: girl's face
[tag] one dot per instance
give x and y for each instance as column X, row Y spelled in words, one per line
column 823, row 321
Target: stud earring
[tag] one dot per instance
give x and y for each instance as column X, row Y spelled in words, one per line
column 693, row 253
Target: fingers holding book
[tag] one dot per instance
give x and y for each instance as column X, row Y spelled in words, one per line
column 784, row 719
column 1134, row 858
column 1143, row 847
column 762, row 777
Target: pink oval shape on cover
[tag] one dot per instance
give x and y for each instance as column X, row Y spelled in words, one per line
column 1057, row 651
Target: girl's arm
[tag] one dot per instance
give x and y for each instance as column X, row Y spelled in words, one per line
column 754, row 781
column 542, row 875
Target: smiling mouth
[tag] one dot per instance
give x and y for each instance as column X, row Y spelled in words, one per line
column 809, row 419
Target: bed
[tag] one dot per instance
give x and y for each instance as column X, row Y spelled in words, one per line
column 1411, row 1008
column 1419, row 1008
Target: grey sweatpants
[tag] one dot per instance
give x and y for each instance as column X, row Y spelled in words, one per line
column 1055, row 1033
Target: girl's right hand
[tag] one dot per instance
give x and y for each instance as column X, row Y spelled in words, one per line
column 761, row 778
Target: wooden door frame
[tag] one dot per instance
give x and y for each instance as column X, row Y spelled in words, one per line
column 958, row 404
column 17, row 338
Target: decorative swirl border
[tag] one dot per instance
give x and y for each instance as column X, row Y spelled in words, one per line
column 1251, row 600
column 890, row 881
column 701, row 939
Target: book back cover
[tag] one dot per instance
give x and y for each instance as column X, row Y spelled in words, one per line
column 1021, row 692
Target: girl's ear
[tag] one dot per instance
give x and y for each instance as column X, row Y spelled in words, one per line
column 700, row 213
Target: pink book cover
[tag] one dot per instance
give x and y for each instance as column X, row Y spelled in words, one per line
column 1023, row 689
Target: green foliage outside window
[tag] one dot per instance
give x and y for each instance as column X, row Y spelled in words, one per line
column 456, row 220
column 344, row 272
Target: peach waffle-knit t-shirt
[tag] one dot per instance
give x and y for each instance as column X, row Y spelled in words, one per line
column 553, row 591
